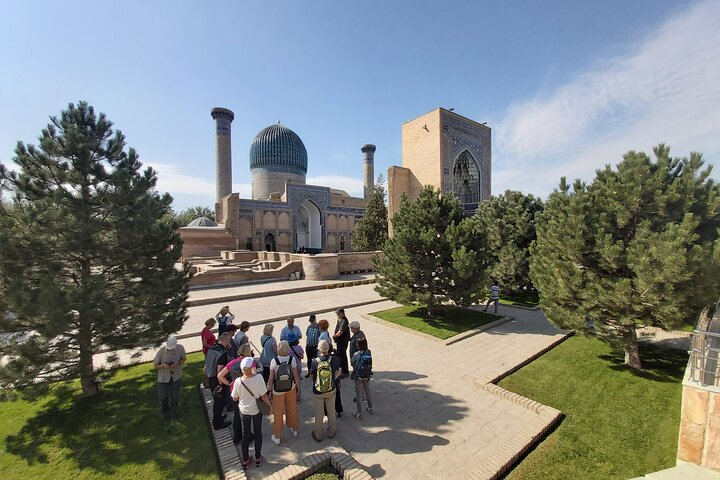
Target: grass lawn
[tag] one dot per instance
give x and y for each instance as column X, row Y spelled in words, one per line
column 618, row 424
column 325, row 473
column 119, row 434
column 447, row 322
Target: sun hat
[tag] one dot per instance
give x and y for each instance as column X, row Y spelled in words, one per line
column 171, row 342
column 246, row 362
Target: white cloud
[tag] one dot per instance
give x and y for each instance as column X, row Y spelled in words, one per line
column 353, row 186
column 666, row 89
column 171, row 179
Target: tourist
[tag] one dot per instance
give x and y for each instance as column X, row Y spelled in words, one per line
column 215, row 361
column 233, row 350
column 268, row 350
column 247, row 390
column 169, row 364
column 325, row 369
column 494, row 296
column 324, row 325
column 224, row 318
column 293, row 334
column 284, row 384
column 241, row 337
column 312, row 334
column 361, row 362
column 234, row 369
column 207, row 337
column 356, row 335
column 342, row 338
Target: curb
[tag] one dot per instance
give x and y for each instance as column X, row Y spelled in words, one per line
column 275, row 293
column 447, row 341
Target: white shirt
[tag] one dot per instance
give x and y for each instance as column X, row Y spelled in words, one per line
column 247, row 401
column 274, row 365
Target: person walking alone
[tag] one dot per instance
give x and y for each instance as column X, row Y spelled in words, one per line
column 494, row 296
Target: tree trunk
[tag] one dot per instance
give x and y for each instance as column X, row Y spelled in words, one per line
column 632, row 351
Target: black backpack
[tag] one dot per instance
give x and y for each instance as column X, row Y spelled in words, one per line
column 364, row 365
column 283, row 376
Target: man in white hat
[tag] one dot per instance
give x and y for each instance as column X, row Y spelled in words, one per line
column 169, row 365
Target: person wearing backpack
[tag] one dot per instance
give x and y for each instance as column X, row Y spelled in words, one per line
column 268, row 350
column 361, row 362
column 324, row 371
column 284, row 384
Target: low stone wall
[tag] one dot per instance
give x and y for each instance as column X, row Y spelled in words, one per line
column 357, row 261
column 239, row 255
column 235, row 275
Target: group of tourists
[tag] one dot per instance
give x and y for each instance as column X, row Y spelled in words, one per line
column 271, row 383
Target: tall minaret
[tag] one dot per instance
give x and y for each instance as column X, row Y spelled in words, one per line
column 368, row 168
column 223, row 151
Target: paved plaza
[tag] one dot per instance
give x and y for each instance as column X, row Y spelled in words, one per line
column 435, row 416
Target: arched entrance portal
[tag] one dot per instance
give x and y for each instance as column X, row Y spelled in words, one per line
column 309, row 230
column 270, row 242
column 466, row 178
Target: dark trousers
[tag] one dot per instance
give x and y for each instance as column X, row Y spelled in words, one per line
column 253, row 422
column 237, row 425
column 338, row 399
column 169, row 395
column 341, row 351
column 219, row 402
column 311, row 353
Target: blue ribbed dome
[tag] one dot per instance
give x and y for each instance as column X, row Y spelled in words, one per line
column 277, row 148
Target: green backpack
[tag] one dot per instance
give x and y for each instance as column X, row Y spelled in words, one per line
column 324, row 381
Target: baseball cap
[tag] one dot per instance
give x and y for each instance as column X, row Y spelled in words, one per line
column 171, row 342
column 246, row 362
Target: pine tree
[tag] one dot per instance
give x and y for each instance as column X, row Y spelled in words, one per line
column 435, row 255
column 87, row 256
column 509, row 221
column 371, row 232
column 638, row 246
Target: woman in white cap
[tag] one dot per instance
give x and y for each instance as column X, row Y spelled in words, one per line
column 169, row 365
column 247, row 390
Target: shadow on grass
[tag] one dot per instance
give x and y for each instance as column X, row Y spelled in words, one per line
column 659, row 364
column 121, row 426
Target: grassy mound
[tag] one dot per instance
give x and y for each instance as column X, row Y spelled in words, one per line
column 445, row 323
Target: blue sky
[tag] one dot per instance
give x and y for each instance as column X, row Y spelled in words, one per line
column 566, row 86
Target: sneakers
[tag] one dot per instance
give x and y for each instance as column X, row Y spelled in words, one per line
column 274, row 439
column 370, row 410
column 246, row 463
column 357, row 415
column 294, row 432
column 258, row 461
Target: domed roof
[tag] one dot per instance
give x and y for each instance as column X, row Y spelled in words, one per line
column 202, row 222
column 278, row 148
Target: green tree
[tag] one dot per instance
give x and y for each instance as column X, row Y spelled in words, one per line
column 638, row 246
column 87, row 256
column 191, row 213
column 371, row 232
column 434, row 256
column 509, row 223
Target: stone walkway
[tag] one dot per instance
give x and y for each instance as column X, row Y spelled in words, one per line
column 436, row 415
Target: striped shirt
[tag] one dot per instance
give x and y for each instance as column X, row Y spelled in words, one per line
column 494, row 292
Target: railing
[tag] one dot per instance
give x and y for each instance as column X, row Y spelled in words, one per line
column 704, row 354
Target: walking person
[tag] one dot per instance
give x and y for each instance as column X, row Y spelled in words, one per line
column 224, row 318
column 325, row 369
column 342, row 338
column 215, row 361
column 247, row 390
column 312, row 334
column 361, row 362
column 169, row 362
column 284, row 384
column 268, row 347
column 494, row 296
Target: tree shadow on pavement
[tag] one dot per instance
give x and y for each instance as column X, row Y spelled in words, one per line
column 121, row 426
column 408, row 418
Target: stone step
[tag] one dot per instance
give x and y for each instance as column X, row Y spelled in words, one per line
column 687, row 471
